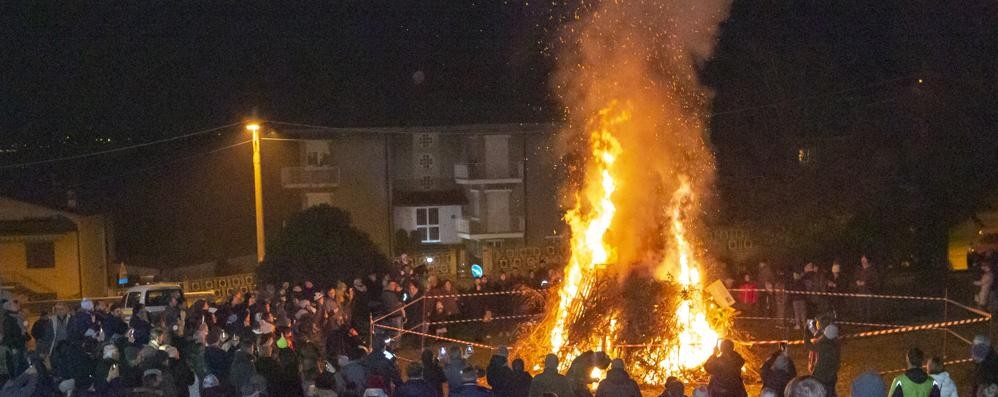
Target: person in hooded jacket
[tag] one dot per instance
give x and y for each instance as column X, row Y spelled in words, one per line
column 520, row 384
column 725, row 370
column 938, row 372
column 825, row 356
column 498, row 374
column 618, row 383
column 914, row 382
column 778, row 370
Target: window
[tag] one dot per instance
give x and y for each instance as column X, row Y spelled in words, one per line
column 132, row 299
column 428, row 224
column 160, row 297
column 317, row 154
column 40, row 255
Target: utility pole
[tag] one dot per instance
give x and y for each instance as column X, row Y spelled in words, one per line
column 261, row 248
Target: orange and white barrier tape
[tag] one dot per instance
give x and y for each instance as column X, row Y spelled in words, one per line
column 953, row 362
column 881, row 332
column 840, row 294
column 443, row 338
column 477, row 294
column 495, row 318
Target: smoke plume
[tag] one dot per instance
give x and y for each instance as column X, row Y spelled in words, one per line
column 640, row 59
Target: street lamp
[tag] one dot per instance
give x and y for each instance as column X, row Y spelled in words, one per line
column 261, row 249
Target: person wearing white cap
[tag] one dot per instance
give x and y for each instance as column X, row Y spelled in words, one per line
column 825, row 352
column 81, row 321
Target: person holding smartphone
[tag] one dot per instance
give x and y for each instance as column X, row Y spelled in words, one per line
column 824, row 352
column 725, row 370
column 778, row 370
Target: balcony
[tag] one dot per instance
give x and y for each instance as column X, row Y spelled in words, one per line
column 310, row 177
column 481, row 174
column 476, row 229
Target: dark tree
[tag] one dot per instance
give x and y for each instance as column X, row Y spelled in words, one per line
column 320, row 244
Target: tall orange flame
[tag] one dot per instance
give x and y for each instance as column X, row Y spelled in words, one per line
column 589, row 221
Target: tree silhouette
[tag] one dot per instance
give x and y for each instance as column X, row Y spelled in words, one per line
column 320, row 244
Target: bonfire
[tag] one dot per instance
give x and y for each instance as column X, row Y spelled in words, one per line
column 655, row 316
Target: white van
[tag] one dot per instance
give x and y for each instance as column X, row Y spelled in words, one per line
column 155, row 297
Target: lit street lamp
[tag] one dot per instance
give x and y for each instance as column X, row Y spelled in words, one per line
column 261, row 249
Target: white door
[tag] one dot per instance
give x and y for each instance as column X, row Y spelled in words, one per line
column 497, row 220
column 497, row 156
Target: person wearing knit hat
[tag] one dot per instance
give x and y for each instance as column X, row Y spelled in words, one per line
column 831, row 331
column 826, row 352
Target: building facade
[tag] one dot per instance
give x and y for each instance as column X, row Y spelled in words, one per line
column 53, row 253
column 413, row 188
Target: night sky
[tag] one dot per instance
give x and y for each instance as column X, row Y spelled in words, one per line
column 77, row 77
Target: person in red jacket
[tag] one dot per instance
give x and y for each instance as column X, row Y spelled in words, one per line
column 748, row 296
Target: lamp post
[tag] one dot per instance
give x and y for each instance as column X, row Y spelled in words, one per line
column 261, row 249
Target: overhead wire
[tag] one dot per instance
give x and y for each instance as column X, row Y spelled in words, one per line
column 159, row 165
column 116, row 150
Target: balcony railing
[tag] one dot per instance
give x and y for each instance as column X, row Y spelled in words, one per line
column 310, row 177
column 482, row 173
column 479, row 229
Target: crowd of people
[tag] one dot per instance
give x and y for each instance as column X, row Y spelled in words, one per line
column 303, row 340
column 280, row 340
column 782, row 293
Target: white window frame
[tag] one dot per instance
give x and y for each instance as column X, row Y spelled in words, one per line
column 426, row 228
